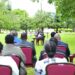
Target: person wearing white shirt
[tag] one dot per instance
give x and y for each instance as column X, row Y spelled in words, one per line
column 8, row 61
column 40, row 66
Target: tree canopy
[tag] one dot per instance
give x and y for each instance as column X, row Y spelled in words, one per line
column 20, row 19
column 65, row 7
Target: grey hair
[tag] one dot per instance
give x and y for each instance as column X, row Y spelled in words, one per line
column 57, row 36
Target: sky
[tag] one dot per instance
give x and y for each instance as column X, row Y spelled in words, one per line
column 32, row 7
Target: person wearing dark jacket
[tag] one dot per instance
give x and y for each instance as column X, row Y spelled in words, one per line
column 25, row 43
column 63, row 51
column 52, row 35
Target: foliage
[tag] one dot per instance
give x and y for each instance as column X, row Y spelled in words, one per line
column 6, row 17
column 35, row 0
column 1, row 24
column 68, row 9
column 22, row 16
column 19, row 19
column 65, row 7
column 42, row 19
column 10, row 19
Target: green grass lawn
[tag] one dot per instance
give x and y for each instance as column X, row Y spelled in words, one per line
column 70, row 39
column 66, row 37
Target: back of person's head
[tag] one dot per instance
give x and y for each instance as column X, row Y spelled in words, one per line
column 52, row 34
column 57, row 36
column 24, row 35
column 50, row 48
column 1, row 47
column 9, row 39
column 54, row 40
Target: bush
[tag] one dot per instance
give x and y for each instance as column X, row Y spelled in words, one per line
column 65, row 30
column 68, row 30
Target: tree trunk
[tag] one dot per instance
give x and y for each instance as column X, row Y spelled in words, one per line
column 0, row 30
column 57, row 30
column 73, row 29
column 42, row 29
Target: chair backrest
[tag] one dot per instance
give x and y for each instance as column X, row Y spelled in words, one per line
column 60, row 69
column 72, row 56
column 28, row 53
column 17, row 60
column 60, row 51
column 5, row 70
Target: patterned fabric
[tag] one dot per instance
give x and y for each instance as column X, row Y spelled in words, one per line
column 41, row 65
column 64, row 50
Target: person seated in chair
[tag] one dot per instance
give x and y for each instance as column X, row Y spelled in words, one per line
column 52, row 35
column 65, row 52
column 10, row 49
column 50, row 49
column 43, row 53
column 15, row 34
column 8, row 61
column 25, row 43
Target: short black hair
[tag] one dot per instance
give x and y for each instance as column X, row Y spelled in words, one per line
column 52, row 34
column 9, row 39
column 50, row 49
column 1, row 47
column 24, row 35
column 54, row 40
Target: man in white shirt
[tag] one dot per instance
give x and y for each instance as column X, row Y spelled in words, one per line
column 8, row 61
column 40, row 66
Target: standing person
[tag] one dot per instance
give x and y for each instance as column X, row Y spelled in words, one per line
column 50, row 49
column 40, row 37
column 10, row 49
column 8, row 61
column 25, row 43
column 60, row 51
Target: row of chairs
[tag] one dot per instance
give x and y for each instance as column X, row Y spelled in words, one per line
column 51, row 69
column 6, row 70
column 28, row 53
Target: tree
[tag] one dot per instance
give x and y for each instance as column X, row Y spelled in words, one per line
column 71, row 23
column 1, row 25
column 25, row 20
column 22, row 16
column 42, row 19
column 65, row 7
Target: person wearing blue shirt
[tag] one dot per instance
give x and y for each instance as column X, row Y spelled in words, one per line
column 25, row 43
column 16, row 39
